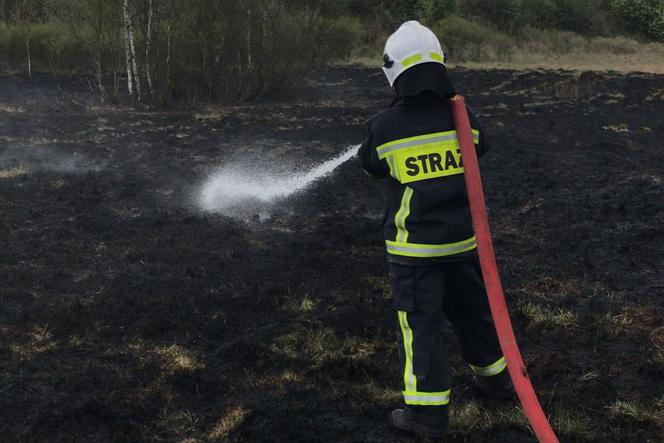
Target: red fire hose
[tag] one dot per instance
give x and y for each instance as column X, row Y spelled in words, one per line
column 501, row 318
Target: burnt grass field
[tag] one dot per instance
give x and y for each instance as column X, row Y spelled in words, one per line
column 127, row 314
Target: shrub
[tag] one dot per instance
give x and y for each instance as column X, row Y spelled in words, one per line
column 642, row 17
column 431, row 11
column 464, row 40
column 538, row 13
column 550, row 41
column 505, row 14
column 344, row 35
column 556, row 42
column 49, row 45
column 584, row 17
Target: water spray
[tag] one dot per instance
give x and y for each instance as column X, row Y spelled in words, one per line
column 235, row 187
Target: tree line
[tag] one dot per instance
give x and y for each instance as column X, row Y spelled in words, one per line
column 161, row 50
column 239, row 50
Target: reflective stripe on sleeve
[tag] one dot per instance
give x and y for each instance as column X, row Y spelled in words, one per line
column 424, row 250
column 394, row 172
column 493, row 369
column 401, row 215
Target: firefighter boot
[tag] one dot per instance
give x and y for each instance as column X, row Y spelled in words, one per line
column 495, row 387
column 423, row 421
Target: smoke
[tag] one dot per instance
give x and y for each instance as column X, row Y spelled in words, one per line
column 236, row 188
column 44, row 157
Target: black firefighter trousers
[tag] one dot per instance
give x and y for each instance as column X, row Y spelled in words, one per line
column 421, row 295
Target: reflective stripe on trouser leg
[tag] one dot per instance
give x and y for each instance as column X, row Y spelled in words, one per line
column 409, row 379
column 427, row 398
column 490, row 370
column 410, row 394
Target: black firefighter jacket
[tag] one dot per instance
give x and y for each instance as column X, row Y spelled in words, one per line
column 414, row 145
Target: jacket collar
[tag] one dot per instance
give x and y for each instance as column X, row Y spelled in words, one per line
column 422, row 83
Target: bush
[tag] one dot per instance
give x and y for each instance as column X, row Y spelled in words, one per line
column 505, row 14
column 426, row 11
column 51, row 47
column 642, row 17
column 550, row 41
column 558, row 43
column 345, row 33
column 431, row 11
column 585, row 17
column 464, row 40
column 537, row 14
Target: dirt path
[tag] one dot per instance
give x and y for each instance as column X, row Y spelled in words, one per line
column 129, row 315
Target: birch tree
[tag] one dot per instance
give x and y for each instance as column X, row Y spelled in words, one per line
column 133, row 80
column 148, row 46
column 27, row 51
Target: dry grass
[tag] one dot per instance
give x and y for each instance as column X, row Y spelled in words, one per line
column 232, row 419
column 11, row 109
column 548, row 287
column 634, row 412
column 542, row 316
column 171, row 359
column 38, row 340
column 59, row 183
column 299, row 305
column 177, row 359
column 579, row 54
column 633, row 320
column 572, row 422
column 16, row 171
column 577, row 62
column 472, row 416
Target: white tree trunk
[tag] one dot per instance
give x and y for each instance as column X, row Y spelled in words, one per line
column 249, row 27
column 148, row 44
column 134, row 59
column 129, row 39
column 168, row 52
column 27, row 48
column 100, row 78
column 130, row 72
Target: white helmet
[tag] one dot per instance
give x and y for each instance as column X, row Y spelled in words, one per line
column 412, row 44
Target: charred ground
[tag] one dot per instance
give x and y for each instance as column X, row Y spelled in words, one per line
column 128, row 315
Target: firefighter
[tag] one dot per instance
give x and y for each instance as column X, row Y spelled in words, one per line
column 431, row 248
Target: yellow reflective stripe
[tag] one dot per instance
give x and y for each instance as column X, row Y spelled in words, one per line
column 409, row 379
column 426, row 398
column 402, row 214
column 394, row 172
column 420, row 140
column 409, row 61
column 493, row 369
column 414, row 141
column 436, row 56
column 424, row 250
